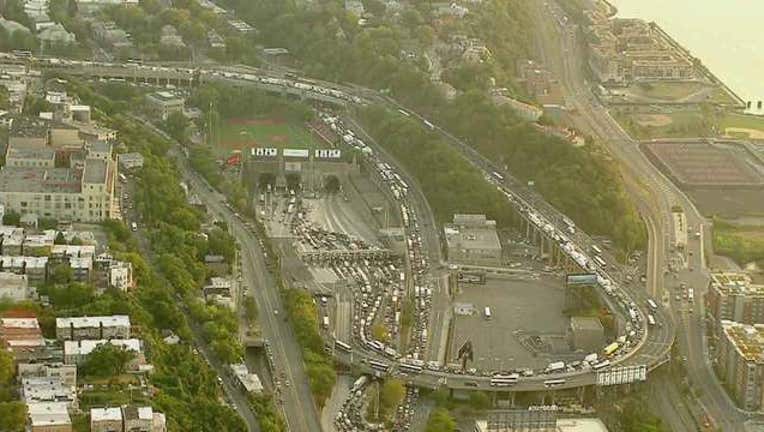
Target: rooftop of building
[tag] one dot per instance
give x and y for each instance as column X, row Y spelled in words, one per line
column 73, row 250
column 40, row 180
column 86, row 346
column 94, row 321
column 747, row 339
column 8, row 279
column 472, row 232
column 19, row 323
column 96, row 171
column 105, row 414
column 99, row 146
column 48, row 414
column 733, row 283
column 47, row 389
column 28, row 262
column 138, row 413
column 165, row 97
column 19, row 152
column 29, row 127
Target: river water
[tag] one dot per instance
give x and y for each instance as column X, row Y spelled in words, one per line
column 726, row 35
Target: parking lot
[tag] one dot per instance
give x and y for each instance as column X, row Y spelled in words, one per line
column 517, row 304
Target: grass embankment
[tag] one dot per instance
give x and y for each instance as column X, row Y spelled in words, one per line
column 744, row 244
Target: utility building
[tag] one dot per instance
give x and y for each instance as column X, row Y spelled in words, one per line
column 472, row 239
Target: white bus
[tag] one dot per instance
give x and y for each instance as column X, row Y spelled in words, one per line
column 601, row 365
column 133, row 226
column 498, row 176
column 410, row 368
column 652, row 304
column 690, row 295
column 596, row 249
column 555, row 367
column 377, row 365
column 598, row 259
column 326, row 322
column 504, row 380
column 650, row 319
column 342, row 345
column 487, row 313
column 554, row 382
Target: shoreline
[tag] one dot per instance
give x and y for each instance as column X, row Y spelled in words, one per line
column 700, row 65
column 740, row 105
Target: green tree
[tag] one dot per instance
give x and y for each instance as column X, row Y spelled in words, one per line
column 60, row 274
column 441, row 421
column 13, row 416
column 480, row 400
column 176, row 126
column 60, row 239
column 106, row 361
column 380, row 333
column 7, row 369
column 71, row 295
column 390, row 396
column 12, row 218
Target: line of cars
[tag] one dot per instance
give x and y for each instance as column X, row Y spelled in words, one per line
column 416, row 289
column 299, row 84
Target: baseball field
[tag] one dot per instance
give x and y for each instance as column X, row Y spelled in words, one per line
column 241, row 133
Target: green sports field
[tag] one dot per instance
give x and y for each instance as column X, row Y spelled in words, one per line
column 238, row 133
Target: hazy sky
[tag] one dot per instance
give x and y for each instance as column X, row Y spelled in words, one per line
column 727, row 35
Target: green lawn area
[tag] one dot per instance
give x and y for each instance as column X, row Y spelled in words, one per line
column 742, row 121
column 236, row 134
column 674, row 125
column 744, row 244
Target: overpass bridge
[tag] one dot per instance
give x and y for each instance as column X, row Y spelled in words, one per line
column 179, row 77
column 543, row 223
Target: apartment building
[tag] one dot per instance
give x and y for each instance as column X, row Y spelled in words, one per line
column 19, row 156
column 66, row 373
column 99, row 327
column 75, row 351
column 628, row 50
column 35, row 268
column 127, row 419
column 83, row 194
column 15, row 287
column 164, row 103
column 733, row 297
column 49, row 417
column 48, row 389
column 740, row 362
